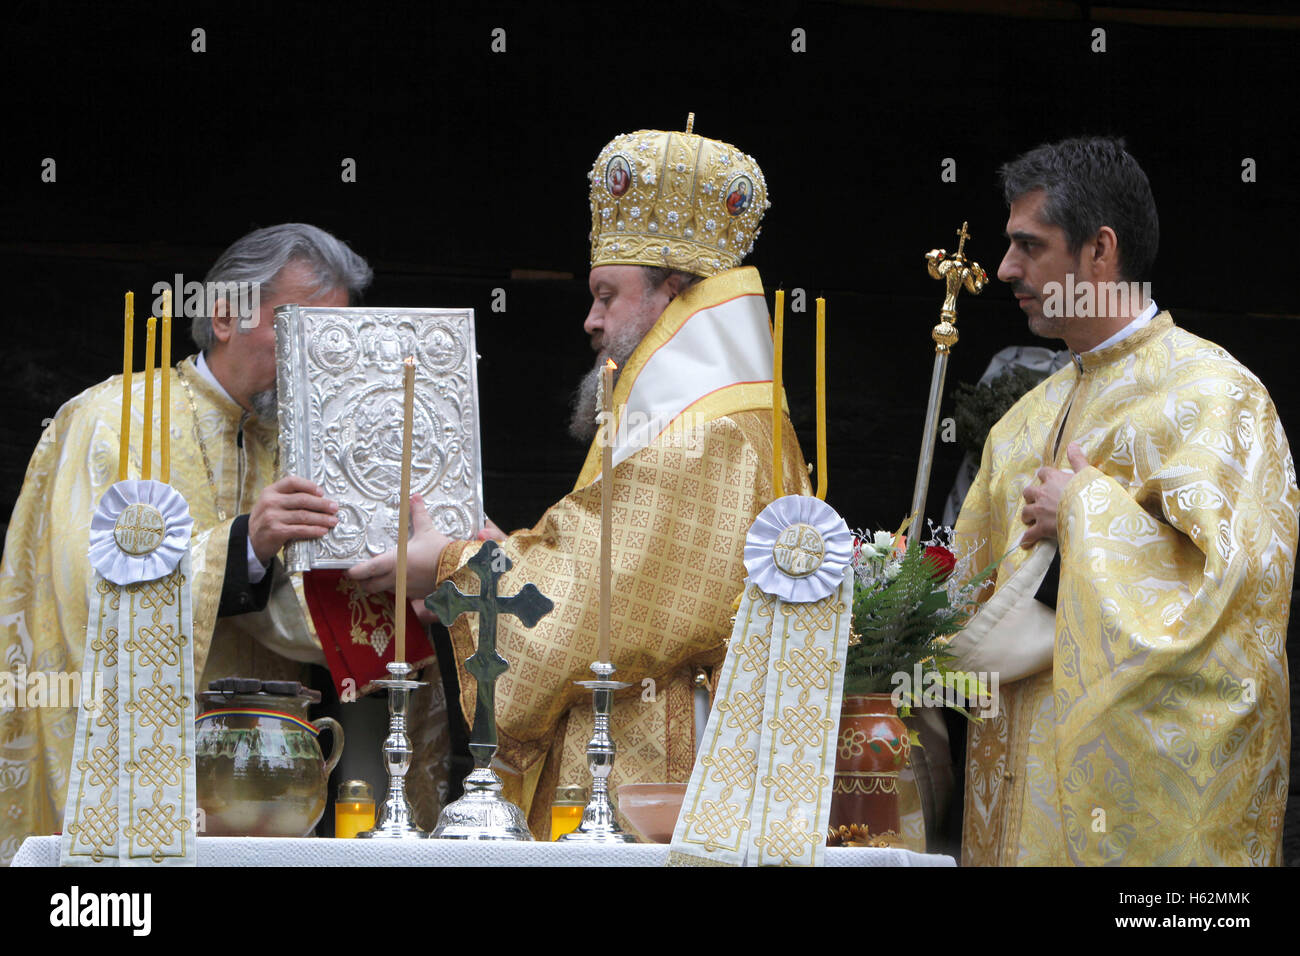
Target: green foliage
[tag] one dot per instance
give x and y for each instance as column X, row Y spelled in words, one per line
column 978, row 407
column 901, row 624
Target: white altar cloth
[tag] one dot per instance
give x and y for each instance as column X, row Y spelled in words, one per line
column 262, row 851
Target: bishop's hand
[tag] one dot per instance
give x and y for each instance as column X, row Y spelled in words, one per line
column 291, row 509
column 1043, row 498
column 423, row 552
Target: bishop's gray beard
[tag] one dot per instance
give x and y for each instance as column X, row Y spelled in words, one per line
column 266, row 406
column 582, row 419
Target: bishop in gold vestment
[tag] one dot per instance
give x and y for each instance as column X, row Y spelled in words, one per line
column 1158, row 732
column 45, row 573
column 683, row 504
column 673, row 215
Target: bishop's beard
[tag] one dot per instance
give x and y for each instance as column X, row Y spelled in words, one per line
column 582, row 419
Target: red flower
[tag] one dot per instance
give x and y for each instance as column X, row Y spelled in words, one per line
column 942, row 560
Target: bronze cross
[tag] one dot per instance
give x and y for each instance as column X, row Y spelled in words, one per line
column 486, row 665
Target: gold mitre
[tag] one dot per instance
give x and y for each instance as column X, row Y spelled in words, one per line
column 675, row 200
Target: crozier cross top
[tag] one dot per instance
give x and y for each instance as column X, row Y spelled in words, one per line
column 957, row 274
column 962, row 236
column 486, row 665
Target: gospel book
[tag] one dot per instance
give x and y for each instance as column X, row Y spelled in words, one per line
column 340, row 401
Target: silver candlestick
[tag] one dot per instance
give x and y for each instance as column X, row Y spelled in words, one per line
column 598, row 823
column 395, row 820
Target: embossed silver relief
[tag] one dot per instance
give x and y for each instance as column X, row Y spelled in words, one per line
column 340, row 402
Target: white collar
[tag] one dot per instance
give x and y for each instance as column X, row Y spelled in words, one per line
column 201, row 364
column 1143, row 319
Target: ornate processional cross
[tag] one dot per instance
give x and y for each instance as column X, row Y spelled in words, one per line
column 486, row 665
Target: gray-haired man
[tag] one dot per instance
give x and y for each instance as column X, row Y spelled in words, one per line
column 223, row 460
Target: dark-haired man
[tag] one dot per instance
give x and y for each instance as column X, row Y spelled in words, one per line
column 1142, row 505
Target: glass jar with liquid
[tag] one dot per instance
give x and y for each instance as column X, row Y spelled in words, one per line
column 566, row 811
column 354, row 811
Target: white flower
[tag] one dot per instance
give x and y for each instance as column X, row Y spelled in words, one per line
column 710, row 225
column 635, row 212
column 672, row 216
column 648, row 177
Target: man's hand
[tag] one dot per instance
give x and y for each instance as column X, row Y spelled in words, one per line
column 491, row 532
column 423, row 552
column 291, row 509
column 1043, row 499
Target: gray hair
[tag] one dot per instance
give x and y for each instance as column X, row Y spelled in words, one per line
column 656, row 276
column 1091, row 182
column 260, row 256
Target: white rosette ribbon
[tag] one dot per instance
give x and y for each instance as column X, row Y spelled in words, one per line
column 772, row 522
column 121, row 567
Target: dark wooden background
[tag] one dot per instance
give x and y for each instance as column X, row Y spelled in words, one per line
column 471, row 176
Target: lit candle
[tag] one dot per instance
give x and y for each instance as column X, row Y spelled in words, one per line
column 821, row 398
column 146, row 441
column 606, row 505
column 404, row 510
column 165, row 364
column 127, row 342
column 778, row 433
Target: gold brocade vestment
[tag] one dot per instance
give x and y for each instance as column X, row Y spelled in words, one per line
column 1159, row 734
column 682, row 505
column 45, row 571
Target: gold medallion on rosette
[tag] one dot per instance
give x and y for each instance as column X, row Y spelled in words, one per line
column 675, row 200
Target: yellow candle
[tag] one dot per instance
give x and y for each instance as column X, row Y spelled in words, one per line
column 606, row 506
column 354, row 811
column 821, row 398
column 566, row 810
column 127, row 343
column 165, row 438
column 404, row 509
column 146, row 453
column 778, row 341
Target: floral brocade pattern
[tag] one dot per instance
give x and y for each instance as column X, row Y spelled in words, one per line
column 1160, row 735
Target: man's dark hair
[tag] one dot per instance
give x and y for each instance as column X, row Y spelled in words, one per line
column 1091, row 182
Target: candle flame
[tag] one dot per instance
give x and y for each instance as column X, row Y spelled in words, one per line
column 609, row 363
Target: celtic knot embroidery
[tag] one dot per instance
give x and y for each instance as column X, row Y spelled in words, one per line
column 154, row 828
column 156, row 646
column 808, row 667
column 794, row 782
column 803, row 725
column 733, row 767
column 717, row 821
column 788, row 839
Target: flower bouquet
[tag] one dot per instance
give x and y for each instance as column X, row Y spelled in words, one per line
column 908, row 597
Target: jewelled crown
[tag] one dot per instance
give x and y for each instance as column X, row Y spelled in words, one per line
column 676, row 200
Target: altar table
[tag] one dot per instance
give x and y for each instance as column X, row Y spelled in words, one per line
column 264, row 851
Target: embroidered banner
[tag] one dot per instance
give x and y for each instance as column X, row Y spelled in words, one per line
column 760, row 791
column 131, row 791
